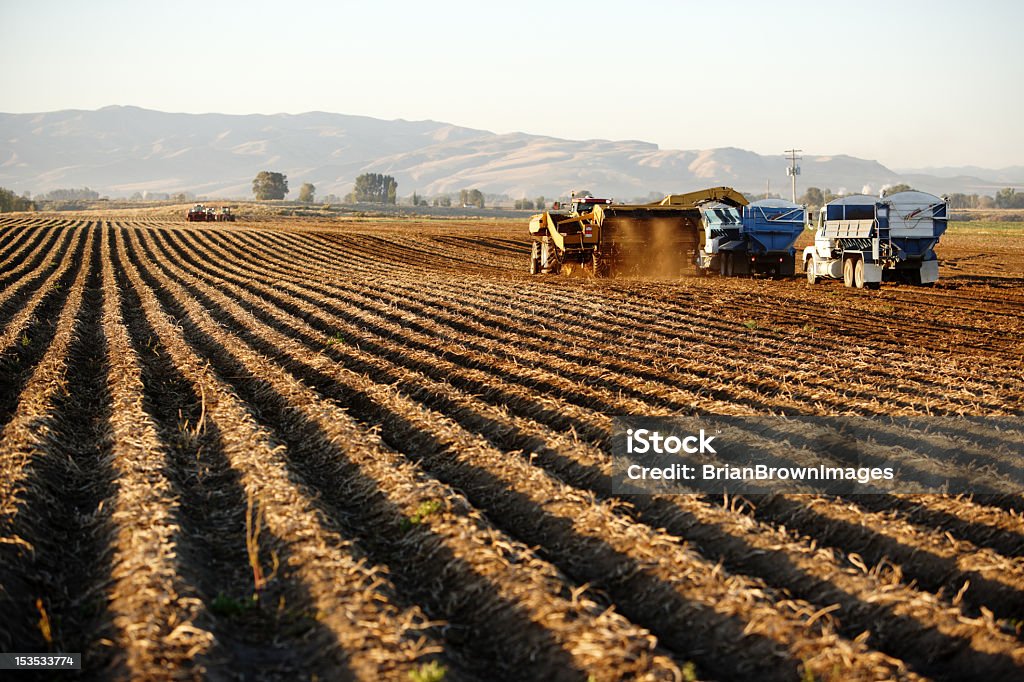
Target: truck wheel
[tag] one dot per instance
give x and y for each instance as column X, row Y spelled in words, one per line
column 847, row 272
column 535, row 258
column 858, row 274
column 811, row 268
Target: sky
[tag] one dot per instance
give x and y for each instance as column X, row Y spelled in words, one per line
column 911, row 84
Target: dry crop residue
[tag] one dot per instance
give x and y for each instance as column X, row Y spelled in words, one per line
column 380, row 451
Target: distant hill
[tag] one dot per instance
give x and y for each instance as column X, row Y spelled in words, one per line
column 121, row 150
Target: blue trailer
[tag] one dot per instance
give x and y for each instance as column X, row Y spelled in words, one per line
column 864, row 240
column 757, row 239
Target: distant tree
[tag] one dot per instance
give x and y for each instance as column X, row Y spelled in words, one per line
column 813, row 197
column 1008, row 198
column 307, row 193
column 375, row 188
column 443, row 200
column 270, row 185
column 471, row 197
column 539, row 202
column 332, row 199
column 985, row 201
column 524, row 204
column 958, row 200
column 415, row 198
column 84, row 194
column 9, row 201
column 901, row 187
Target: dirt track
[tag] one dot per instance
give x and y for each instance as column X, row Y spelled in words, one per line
column 399, row 440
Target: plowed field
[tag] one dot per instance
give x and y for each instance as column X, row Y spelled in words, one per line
column 376, row 450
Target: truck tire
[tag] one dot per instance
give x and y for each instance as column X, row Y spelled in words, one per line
column 535, row 258
column 811, row 268
column 858, row 274
column 848, row 272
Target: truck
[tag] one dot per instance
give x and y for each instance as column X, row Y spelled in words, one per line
column 865, row 240
column 604, row 239
column 754, row 239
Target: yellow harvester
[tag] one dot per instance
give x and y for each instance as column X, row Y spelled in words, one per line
column 599, row 237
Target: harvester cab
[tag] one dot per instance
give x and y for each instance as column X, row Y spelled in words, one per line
column 602, row 238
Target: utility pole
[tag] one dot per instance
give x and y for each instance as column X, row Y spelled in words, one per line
column 793, row 170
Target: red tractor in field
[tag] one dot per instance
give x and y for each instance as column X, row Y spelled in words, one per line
column 198, row 214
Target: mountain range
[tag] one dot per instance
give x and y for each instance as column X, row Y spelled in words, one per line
column 120, row 150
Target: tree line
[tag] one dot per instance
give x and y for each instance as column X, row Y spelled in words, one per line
column 9, row 201
column 1005, row 198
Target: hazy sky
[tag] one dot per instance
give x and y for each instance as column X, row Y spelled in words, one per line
column 908, row 83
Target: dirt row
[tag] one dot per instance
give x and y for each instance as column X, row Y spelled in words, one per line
column 571, row 301
column 248, row 453
column 175, row 256
column 449, row 352
column 473, row 457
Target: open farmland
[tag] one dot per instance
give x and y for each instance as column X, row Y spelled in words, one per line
column 399, row 441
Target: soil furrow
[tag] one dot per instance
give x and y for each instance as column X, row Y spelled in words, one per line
column 555, row 516
column 316, row 569
column 501, row 624
column 160, row 618
column 56, row 517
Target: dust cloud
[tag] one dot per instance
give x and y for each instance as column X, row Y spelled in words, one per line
column 655, row 248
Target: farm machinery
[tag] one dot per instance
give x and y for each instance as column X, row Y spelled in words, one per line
column 201, row 214
column 864, row 240
column 207, row 214
column 754, row 239
column 602, row 238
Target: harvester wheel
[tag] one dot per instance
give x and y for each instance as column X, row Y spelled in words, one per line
column 730, row 266
column 848, row 272
column 858, row 274
column 548, row 259
column 811, row 268
column 535, row 258
column 600, row 265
